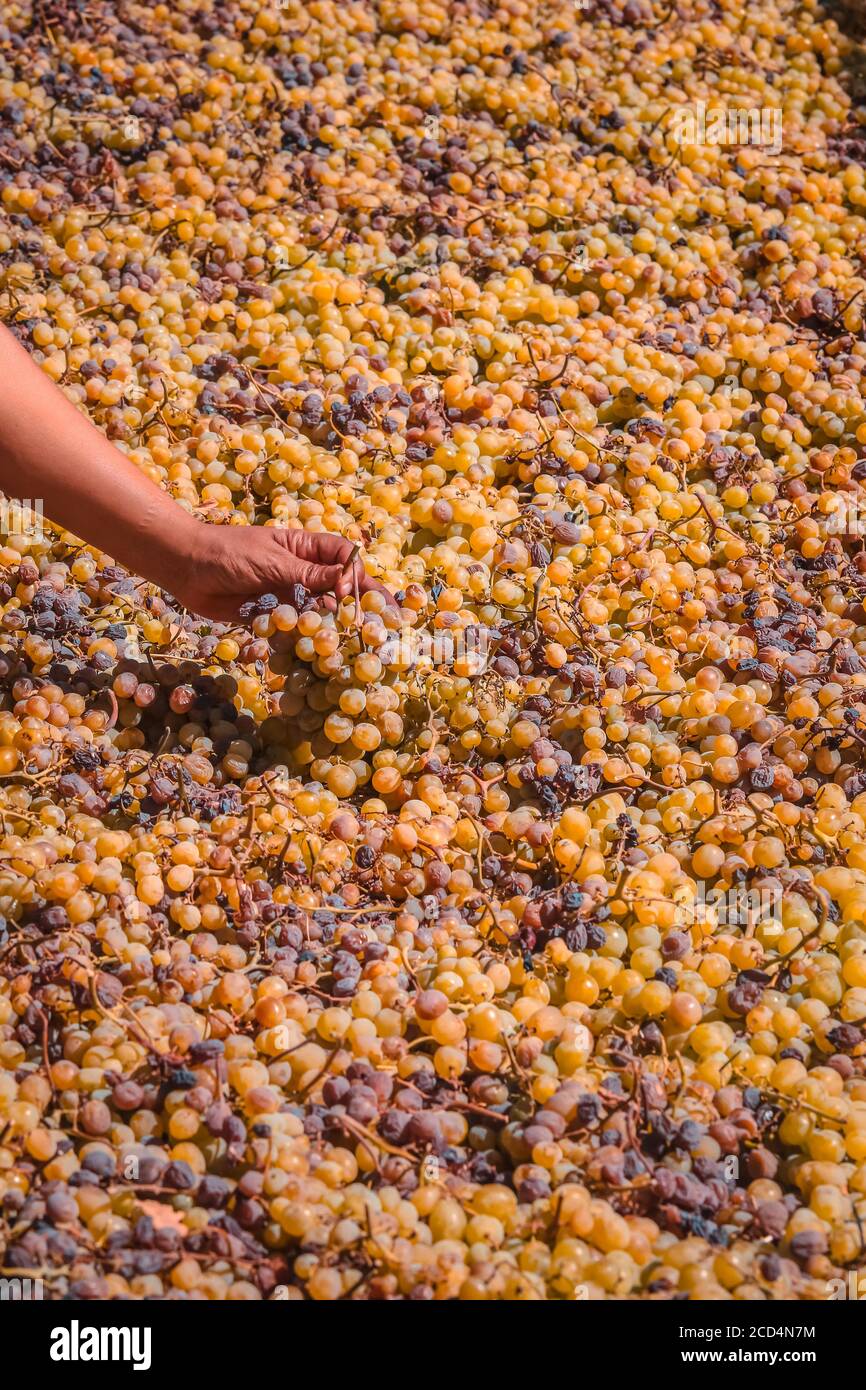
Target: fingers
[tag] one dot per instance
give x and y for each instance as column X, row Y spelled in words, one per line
column 339, row 581
column 319, row 579
column 320, row 548
column 324, row 566
column 317, row 559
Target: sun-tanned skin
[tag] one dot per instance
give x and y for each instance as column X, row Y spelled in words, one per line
column 50, row 451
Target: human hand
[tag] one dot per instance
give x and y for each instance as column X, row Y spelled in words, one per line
column 98, row 494
column 222, row 567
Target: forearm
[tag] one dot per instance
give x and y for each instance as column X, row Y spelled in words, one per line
column 50, row 451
